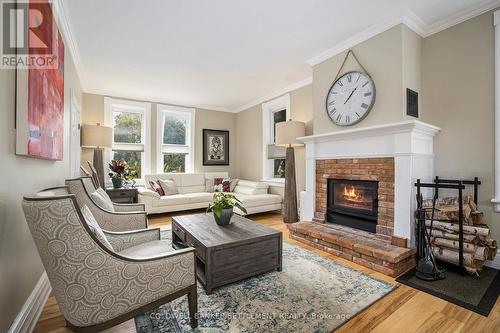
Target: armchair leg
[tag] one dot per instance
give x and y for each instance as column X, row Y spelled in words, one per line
column 193, row 306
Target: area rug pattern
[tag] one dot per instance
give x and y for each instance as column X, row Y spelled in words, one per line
column 311, row 294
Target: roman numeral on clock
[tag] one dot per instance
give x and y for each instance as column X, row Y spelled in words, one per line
column 364, row 106
column 339, row 117
column 340, row 83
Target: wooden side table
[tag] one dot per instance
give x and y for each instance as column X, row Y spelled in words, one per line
column 123, row 195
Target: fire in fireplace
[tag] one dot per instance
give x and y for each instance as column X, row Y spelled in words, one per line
column 353, row 203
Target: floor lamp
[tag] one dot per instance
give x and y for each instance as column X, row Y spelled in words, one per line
column 97, row 137
column 287, row 133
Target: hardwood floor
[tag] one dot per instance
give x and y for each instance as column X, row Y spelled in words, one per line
column 404, row 310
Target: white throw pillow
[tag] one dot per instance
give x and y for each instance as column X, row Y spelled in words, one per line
column 168, row 186
column 209, row 185
column 95, row 228
column 232, row 184
column 103, row 193
column 102, row 202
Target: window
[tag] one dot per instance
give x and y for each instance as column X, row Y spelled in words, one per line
column 274, row 112
column 131, row 123
column 175, row 139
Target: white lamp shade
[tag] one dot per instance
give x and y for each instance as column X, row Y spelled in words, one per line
column 287, row 133
column 96, row 136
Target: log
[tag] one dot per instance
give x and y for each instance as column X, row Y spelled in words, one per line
column 481, row 253
column 454, row 228
column 452, row 244
column 452, row 256
column 454, row 236
column 477, row 217
column 450, row 213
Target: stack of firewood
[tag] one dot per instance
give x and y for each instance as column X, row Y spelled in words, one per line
column 478, row 245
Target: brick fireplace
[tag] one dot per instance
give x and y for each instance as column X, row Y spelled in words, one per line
column 359, row 198
column 353, row 175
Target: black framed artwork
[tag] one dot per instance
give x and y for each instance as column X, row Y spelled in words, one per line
column 215, row 147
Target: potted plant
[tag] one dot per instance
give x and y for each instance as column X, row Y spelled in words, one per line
column 119, row 172
column 222, row 207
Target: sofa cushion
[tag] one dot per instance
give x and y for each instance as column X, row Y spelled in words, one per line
column 200, row 197
column 258, row 199
column 169, row 187
column 250, row 187
column 171, row 200
column 150, row 249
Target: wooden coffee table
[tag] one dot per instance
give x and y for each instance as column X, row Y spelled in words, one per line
column 226, row 254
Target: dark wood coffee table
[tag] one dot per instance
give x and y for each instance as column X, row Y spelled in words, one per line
column 226, row 254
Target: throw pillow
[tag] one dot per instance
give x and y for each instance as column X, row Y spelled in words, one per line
column 222, row 185
column 168, row 186
column 102, row 202
column 156, row 187
column 104, row 194
column 209, row 185
column 95, row 228
column 233, row 184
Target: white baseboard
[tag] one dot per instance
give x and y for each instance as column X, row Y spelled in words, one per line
column 30, row 312
column 494, row 263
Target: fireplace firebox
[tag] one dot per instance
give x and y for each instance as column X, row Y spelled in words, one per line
column 353, row 203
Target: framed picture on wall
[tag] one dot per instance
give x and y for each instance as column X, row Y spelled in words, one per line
column 215, row 147
column 40, row 89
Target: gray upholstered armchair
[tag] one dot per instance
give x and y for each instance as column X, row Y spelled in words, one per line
column 119, row 217
column 97, row 287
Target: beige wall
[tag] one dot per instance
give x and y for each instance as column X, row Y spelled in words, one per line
column 249, row 136
column 458, row 96
column 20, row 265
column 93, row 112
column 382, row 56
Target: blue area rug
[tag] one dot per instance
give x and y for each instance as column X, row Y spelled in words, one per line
column 311, row 294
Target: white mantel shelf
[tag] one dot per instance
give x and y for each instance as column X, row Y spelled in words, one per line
column 399, row 127
column 409, row 142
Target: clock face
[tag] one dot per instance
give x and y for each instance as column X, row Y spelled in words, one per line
column 350, row 98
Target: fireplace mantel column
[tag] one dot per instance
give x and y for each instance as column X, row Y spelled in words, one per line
column 307, row 211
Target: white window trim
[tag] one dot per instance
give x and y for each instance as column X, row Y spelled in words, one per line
column 131, row 106
column 268, row 109
column 160, row 111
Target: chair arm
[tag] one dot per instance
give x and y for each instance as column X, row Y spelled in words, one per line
column 123, row 240
column 148, row 193
column 135, row 207
column 123, row 221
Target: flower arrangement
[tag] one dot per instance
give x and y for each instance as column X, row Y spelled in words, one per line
column 119, row 172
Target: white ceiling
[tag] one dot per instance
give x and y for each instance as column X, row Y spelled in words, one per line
column 229, row 54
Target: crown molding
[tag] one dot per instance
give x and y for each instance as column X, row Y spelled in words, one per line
column 66, row 28
column 152, row 99
column 461, row 16
column 276, row 93
column 412, row 21
column 352, row 41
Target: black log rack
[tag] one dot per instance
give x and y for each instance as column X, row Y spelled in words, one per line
column 450, row 184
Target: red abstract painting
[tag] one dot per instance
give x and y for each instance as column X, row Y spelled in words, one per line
column 45, row 93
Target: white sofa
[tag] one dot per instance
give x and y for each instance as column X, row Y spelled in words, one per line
column 193, row 195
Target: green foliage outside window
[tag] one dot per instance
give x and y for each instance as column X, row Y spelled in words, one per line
column 174, row 163
column 133, row 159
column 127, row 127
column 279, row 168
column 174, row 130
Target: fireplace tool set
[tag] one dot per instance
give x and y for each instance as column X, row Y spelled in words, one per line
column 427, row 268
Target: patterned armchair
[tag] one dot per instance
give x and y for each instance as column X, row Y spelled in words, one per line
column 125, row 217
column 96, row 287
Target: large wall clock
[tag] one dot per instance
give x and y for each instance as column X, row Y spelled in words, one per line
column 350, row 98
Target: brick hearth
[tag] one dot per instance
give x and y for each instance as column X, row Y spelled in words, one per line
column 358, row 246
column 378, row 169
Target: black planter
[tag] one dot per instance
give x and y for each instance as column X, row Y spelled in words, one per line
column 225, row 218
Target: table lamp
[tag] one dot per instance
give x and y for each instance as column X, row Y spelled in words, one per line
column 97, row 137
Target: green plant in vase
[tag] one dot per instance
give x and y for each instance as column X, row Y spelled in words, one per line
column 222, row 207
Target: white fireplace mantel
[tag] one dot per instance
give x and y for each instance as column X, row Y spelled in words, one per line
column 409, row 142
